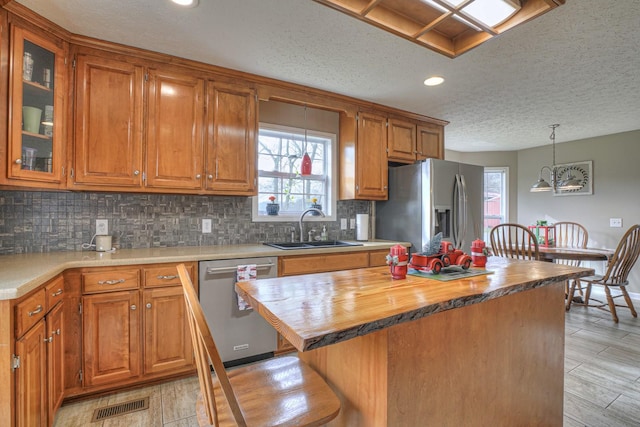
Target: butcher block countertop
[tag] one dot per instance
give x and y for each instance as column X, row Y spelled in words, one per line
column 25, row 272
column 317, row 310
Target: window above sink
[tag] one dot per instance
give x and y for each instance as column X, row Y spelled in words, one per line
column 288, row 132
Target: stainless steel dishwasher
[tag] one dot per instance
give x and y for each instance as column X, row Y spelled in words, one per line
column 242, row 336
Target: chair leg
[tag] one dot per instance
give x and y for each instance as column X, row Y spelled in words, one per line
column 623, row 289
column 612, row 305
column 572, row 292
column 587, row 294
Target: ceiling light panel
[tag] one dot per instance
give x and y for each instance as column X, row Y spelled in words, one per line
column 491, row 12
column 444, row 26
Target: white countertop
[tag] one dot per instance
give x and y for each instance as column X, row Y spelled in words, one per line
column 22, row 273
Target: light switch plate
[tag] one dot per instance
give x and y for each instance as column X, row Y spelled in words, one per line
column 615, row 222
column 343, row 223
column 352, row 223
column 206, row 225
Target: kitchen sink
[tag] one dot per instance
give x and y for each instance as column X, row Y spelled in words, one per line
column 311, row 245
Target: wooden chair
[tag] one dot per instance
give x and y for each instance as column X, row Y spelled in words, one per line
column 282, row 391
column 514, row 241
column 570, row 235
column 616, row 276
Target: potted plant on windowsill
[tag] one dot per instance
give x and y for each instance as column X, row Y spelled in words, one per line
column 273, row 208
column 315, row 204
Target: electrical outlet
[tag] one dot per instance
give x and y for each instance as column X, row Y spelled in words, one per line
column 615, row 222
column 102, row 227
column 343, row 223
column 206, row 225
column 352, row 223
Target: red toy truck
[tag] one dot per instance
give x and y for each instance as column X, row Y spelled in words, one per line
column 444, row 258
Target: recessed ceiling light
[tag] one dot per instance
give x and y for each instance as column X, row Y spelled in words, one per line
column 434, row 81
column 186, row 3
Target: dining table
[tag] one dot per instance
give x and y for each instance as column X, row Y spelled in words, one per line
column 552, row 253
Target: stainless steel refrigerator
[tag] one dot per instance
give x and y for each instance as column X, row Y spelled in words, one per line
column 431, row 197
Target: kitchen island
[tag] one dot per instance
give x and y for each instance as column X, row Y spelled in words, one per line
column 482, row 350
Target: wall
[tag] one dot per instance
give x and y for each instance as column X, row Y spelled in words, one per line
column 63, row 221
column 616, row 189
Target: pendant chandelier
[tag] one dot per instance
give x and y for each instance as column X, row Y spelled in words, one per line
column 570, row 183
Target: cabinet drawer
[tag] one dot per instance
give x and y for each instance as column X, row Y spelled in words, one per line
column 30, row 311
column 111, row 280
column 320, row 263
column 378, row 258
column 164, row 275
column 55, row 291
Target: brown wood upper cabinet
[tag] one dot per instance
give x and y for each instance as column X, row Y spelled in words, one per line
column 408, row 142
column 430, row 143
column 401, row 141
column 107, row 123
column 174, row 131
column 363, row 157
column 37, row 86
column 231, row 139
column 161, row 128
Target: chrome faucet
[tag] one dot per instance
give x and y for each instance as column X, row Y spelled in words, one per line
column 302, row 216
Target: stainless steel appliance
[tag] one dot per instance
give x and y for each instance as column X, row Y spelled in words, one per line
column 430, row 197
column 241, row 335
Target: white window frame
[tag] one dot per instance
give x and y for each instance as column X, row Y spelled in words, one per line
column 332, row 159
column 504, row 205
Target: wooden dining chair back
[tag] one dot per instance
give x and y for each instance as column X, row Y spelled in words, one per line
column 514, row 241
column 281, row 391
column 615, row 276
column 570, row 235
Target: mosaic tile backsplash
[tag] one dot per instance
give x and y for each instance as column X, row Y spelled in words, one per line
column 61, row 221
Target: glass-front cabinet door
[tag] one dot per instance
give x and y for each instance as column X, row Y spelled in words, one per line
column 37, row 79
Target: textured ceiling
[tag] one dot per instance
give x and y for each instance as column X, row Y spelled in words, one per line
column 578, row 65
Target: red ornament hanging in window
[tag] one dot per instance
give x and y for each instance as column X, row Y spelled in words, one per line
column 305, row 169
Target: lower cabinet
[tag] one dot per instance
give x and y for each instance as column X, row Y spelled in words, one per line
column 167, row 339
column 111, row 337
column 31, row 377
column 134, row 326
column 39, row 358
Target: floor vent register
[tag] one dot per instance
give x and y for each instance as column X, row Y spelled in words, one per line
column 120, row 409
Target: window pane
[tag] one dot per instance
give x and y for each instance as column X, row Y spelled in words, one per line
column 495, row 199
column 280, row 155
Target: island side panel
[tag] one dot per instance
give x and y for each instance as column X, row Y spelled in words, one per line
column 500, row 362
column 357, row 371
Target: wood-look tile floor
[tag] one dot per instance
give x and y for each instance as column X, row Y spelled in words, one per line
column 602, row 381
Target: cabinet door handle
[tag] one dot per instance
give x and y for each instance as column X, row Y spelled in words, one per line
column 18, row 161
column 148, row 305
column 136, row 172
column 56, row 293
column 210, row 177
column 111, row 282
column 198, row 176
column 50, row 339
column 133, row 307
column 57, row 331
column 167, row 277
column 36, row 311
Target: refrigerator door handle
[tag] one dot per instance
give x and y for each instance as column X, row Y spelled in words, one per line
column 463, row 218
column 455, row 223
